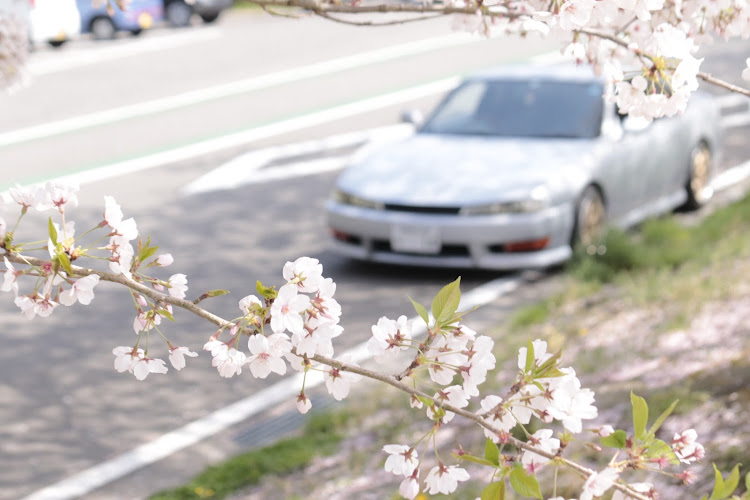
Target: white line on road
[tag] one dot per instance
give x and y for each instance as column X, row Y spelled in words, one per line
column 54, row 61
column 263, row 132
column 234, row 88
column 249, row 168
column 167, row 444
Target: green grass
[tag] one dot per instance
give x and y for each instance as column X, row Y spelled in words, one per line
column 665, row 244
column 320, row 437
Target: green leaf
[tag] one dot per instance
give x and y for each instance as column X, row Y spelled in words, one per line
column 724, row 489
column 267, row 292
column 663, row 417
column 529, row 356
column 494, row 491
column 52, row 231
column 64, row 261
column 476, row 460
column 216, row 293
column 492, row 452
column 640, row 415
column 747, row 482
column 421, row 310
column 166, row 314
column 525, row 484
column 617, row 439
column 146, row 253
column 659, row 448
column 445, row 303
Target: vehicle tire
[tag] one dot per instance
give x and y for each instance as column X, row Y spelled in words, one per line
column 590, row 220
column 698, row 186
column 102, row 28
column 56, row 43
column 209, row 17
column 178, row 14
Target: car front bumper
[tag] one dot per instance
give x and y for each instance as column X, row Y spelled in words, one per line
column 485, row 242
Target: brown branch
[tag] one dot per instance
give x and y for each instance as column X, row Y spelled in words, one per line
column 188, row 305
column 724, row 84
column 336, row 19
column 319, row 8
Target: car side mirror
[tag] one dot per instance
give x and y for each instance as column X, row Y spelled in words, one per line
column 413, row 116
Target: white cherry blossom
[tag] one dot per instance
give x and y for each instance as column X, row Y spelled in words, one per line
column 598, row 483
column 409, row 488
column 303, row 403
column 442, row 479
column 306, row 273
column 164, row 260
column 338, row 382
column 10, row 278
column 143, row 366
column 177, row 285
column 177, row 356
column 402, row 459
column 230, row 363
column 543, row 440
column 125, row 358
column 267, row 354
column 82, row 291
column 454, row 396
column 287, row 309
column 389, row 337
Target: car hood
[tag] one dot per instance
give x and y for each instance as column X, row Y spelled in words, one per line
column 442, row 170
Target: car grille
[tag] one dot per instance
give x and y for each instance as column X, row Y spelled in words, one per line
column 445, row 251
column 422, row 210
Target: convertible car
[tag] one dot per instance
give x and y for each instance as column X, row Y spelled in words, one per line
column 515, row 167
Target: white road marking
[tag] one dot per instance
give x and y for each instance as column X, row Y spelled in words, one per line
column 167, row 444
column 234, row 88
column 263, row 132
column 732, row 100
column 54, row 61
column 731, row 176
column 249, row 168
column 736, row 120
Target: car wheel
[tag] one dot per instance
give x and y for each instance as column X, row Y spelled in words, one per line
column 590, row 222
column 178, row 14
column 209, row 17
column 102, row 28
column 698, row 186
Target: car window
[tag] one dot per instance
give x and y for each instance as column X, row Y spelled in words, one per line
column 514, row 108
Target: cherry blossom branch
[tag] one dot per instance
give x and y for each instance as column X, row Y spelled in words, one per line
column 724, row 84
column 394, row 382
column 188, row 305
column 321, row 8
column 391, row 380
column 336, row 19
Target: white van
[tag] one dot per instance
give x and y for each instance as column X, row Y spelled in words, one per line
column 53, row 21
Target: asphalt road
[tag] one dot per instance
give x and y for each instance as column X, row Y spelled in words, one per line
column 64, row 408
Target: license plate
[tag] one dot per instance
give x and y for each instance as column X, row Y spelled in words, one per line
column 415, row 239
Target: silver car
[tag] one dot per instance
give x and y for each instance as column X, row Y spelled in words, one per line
column 514, row 167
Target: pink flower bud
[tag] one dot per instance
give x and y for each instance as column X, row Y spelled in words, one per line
column 164, row 260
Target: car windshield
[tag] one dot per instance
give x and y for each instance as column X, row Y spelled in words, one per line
column 520, row 108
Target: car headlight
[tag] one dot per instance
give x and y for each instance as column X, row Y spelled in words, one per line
column 350, row 199
column 536, row 200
